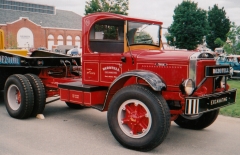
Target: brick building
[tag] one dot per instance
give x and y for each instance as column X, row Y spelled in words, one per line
column 32, row 25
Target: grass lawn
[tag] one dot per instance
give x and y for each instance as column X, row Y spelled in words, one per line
column 233, row 110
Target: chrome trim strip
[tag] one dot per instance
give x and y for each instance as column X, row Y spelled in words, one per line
column 193, row 66
column 197, row 109
column 189, row 106
column 194, row 107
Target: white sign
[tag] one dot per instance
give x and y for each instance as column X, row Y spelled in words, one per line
column 25, row 38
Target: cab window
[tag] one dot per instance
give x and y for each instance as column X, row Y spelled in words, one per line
column 107, row 36
column 143, row 33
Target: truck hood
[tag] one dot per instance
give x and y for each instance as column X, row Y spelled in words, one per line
column 162, row 55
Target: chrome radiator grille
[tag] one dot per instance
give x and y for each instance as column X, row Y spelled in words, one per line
column 192, row 106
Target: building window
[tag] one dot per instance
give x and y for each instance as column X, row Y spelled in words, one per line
column 77, row 41
column 50, row 41
column 69, row 40
column 60, row 40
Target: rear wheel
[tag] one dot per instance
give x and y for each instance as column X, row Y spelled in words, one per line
column 197, row 122
column 39, row 94
column 74, row 106
column 18, row 96
column 138, row 118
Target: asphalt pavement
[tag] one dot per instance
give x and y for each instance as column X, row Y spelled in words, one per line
column 65, row 131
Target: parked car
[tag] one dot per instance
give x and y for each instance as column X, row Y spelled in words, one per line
column 219, row 51
column 233, row 61
column 42, row 49
column 75, row 52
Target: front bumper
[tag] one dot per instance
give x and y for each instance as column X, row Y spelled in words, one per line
column 197, row 105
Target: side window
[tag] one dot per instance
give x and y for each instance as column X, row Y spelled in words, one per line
column 107, row 36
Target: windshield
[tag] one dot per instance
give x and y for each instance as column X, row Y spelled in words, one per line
column 143, row 33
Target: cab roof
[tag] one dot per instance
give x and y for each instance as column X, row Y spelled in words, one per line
column 106, row 15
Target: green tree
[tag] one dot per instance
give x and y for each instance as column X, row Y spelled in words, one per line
column 113, row 6
column 232, row 46
column 219, row 26
column 188, row 27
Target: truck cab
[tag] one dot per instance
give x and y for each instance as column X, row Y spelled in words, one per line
column 143, row 86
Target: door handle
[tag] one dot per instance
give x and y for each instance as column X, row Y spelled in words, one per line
column 123, row 59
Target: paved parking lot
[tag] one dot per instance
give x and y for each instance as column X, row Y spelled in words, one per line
column 85, row 132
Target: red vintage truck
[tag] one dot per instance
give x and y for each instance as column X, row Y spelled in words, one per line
column 125, row 71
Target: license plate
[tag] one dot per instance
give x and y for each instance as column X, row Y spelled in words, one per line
column 212, row 71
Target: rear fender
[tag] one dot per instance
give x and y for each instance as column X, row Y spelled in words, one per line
column 152, row 79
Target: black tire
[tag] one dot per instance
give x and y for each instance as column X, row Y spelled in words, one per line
column 74, row 106
column 18, row 96
column 197, row 122
column 153, row 114
column 39, row 94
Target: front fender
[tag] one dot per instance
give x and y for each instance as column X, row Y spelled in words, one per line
column 154, row 81
column 151, row 78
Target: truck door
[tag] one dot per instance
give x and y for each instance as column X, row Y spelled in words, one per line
column 107, row 40
column 110, row 67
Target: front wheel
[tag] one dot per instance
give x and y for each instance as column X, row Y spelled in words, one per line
column 197, row 122
column 138, row 118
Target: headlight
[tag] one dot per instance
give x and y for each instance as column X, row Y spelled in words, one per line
column 188, row 86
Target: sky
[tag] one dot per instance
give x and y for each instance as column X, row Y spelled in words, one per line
column 161, row 10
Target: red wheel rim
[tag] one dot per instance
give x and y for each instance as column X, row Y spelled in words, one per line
column 134, row 118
